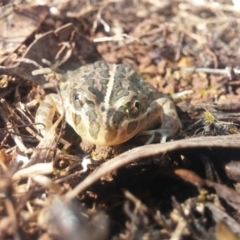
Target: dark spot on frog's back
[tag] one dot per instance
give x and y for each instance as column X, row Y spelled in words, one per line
column 100, row 65
column 99, row 95
column 122, row 68
column 135, row 79
column 119, row 76
column 104, row 73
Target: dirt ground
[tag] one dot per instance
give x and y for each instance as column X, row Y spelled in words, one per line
column 186, row 188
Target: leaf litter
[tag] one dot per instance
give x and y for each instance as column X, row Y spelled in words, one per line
column 186, row 188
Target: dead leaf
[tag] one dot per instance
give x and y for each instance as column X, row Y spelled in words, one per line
column 190, row 176
column 17, row 24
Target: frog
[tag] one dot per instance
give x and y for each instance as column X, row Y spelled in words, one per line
column 107, row 104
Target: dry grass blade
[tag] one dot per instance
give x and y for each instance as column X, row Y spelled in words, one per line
column 41, row 161
column 6, row 113
column 47, row 148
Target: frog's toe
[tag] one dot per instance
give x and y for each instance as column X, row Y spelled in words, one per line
column 150, row 133
column 165, row 134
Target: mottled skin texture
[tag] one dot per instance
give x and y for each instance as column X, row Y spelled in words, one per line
column 107, row 104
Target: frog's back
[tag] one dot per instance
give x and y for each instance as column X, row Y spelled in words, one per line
column 111, row 82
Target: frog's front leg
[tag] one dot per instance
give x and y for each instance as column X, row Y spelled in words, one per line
column 164, row 111
column 51, row 104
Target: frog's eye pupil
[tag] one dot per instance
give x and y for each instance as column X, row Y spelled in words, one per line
column 76, row 96
column 77, row 99
column 134, row 108
column 137, row 105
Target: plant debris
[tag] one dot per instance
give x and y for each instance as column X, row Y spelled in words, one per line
column 56, row 187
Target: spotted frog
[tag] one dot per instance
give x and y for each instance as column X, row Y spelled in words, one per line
column 108, row 104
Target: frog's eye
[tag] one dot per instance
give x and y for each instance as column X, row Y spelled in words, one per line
column 78, row 99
